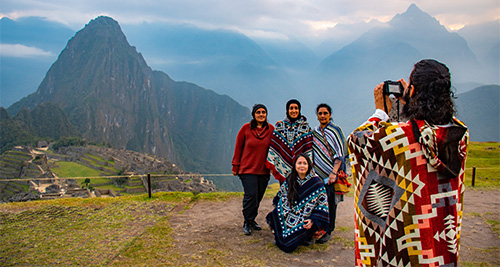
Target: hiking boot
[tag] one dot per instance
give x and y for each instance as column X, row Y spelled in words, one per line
column 255, row 226
column 247, row 229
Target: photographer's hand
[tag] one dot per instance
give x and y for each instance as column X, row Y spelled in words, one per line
column 378, row 95
column 405, row 86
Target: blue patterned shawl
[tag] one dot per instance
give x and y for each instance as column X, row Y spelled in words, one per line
column 288, row 222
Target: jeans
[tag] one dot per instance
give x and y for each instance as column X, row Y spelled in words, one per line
column 254, row 187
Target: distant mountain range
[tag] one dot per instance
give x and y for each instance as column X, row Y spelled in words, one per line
column 111, row 95
column 480, row 111
column 347, row 77
column 109, row 92
column 271, row 71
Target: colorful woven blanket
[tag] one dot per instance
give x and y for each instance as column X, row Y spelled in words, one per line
column 288, row 140
column 325, row 150
column 288, row 222
column 408, row 181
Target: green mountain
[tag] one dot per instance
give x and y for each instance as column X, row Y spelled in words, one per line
column 46, row 120
column 12, row 133
column 111, row 95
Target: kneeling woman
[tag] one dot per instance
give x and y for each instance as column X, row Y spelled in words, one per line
column 301, row 207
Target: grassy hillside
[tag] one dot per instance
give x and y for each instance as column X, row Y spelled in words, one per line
column 88, row 232
column 70, row 169
column 165, row 231
column 486, row 158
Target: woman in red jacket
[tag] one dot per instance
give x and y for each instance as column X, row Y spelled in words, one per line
column 249, row 163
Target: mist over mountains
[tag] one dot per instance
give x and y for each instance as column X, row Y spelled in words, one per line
column 480, row 111
column 133, row 106
column 225, row 61
column 111, row 95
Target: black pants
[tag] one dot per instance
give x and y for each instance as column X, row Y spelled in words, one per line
column 254, row 187
column 332, row 207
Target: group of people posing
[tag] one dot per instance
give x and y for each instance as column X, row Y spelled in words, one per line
column 408, row 176
column 305, row 161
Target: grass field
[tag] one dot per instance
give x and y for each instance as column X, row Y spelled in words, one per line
column 486, row 158
column 100, row 231
column 68, row 169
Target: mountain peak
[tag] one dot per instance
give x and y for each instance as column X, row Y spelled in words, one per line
column 413, row 18
column 103, row 21
column 413, row 8
column 104, row 26
column 111, row 95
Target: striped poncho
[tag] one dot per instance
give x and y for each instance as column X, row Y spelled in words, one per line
column 408, row 181
column 288, row 222
column 326, row 150
column 288, row 140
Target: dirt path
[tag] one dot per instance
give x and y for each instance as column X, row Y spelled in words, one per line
column 214, row 228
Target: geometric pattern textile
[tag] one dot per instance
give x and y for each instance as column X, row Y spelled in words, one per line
column 288, row 140
column 287, row 221
column 408, row 205
column 328, row 144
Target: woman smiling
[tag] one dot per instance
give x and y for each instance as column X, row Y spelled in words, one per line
column 249, row 163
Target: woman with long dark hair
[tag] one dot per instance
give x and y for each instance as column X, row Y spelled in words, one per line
column 249, row 163
column 409, row 175
column 301, row 207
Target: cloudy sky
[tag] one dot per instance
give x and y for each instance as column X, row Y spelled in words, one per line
column 264, row 18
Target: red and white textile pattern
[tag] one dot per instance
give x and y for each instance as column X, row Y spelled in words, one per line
column 408, row 182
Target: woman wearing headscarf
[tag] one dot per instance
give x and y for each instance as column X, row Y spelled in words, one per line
column 291, row 136
column 301, row 207
column 249, row 163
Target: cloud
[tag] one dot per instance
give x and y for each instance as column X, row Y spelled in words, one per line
column 22, row 51
column 260, row 34
column 272, row 18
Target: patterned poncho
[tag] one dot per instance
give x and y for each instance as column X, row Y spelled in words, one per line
column 288, row 222
column 288, row 140
column 322, row 154
column 409, row 188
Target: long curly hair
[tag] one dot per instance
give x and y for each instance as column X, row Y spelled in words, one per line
column 292, row 179
column 433, row 98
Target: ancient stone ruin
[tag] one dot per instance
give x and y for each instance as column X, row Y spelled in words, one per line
column 26, row 174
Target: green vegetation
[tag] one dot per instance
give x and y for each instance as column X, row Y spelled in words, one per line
column 12, row 133
column 495, row 226
column 69, row 141
column 67, row 169
column 99, row 163
column 86, row 184
column 123, row 231
column 486, row 158
column 74, row 231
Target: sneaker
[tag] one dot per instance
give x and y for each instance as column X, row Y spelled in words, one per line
column 247, row 230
